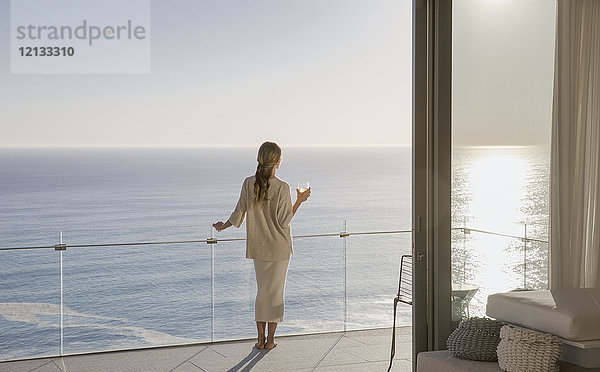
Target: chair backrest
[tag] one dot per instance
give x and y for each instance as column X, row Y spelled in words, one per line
column 405, row 282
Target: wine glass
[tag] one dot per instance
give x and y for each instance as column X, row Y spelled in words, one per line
column 303, row 186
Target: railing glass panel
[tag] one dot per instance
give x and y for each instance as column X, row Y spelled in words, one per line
column 29, row 303
column 234, row 291
column 315, row 286
column 136, row 296
column 373, row 262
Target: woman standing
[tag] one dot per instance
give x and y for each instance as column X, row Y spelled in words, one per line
column 266, row 201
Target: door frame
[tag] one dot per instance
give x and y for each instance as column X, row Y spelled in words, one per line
column 431, row 173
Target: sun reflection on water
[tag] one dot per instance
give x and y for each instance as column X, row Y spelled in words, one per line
column 499, row 189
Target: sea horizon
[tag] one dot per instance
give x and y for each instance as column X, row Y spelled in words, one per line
column 253, row 146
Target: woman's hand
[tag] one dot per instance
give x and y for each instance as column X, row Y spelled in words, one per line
column 301, row 197
column 220, row 226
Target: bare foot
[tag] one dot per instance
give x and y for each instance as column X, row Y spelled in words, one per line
column 260, row 344
column 270, row 345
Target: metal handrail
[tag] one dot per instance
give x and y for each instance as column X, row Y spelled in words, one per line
column 208, row 241
column 215, row 240
column 523, row 238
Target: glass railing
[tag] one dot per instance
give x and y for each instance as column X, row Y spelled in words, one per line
column 489, row 260
column 78, row 296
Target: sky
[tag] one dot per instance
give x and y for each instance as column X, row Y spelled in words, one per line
column 503, row 70
column 298, row 72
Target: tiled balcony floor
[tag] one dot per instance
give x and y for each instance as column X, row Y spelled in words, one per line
column 367, row 350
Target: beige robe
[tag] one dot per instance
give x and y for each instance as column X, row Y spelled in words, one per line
column 268, row 231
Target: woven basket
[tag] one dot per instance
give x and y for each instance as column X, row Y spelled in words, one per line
column 476, row 339
column 526, row 350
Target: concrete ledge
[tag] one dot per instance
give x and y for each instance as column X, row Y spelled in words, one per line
column 443, row 361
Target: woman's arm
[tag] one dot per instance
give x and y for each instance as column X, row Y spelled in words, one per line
column 238, row 215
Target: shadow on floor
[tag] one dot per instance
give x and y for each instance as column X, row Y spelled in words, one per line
column 249, row 361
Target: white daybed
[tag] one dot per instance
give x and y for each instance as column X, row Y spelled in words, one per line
column 571, row 314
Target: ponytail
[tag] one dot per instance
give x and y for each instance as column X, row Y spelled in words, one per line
column 269, row 154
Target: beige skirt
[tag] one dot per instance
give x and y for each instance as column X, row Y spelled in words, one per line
column 270, row 280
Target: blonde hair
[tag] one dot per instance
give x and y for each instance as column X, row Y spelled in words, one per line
column 269, row 154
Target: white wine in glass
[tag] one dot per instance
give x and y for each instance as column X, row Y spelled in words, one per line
column 303, row 186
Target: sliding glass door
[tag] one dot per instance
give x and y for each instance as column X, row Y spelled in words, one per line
column 502, row 78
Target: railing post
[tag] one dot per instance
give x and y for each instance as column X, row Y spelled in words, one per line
column 212, row 241
column 464, row 250
column 60, row 247
column 525, row 258
column 345, row 237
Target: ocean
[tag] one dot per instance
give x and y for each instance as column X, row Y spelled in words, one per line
column 135, row 296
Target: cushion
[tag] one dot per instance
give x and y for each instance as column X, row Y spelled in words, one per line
column 476, row 339
column 525, row 350
column 573, row 314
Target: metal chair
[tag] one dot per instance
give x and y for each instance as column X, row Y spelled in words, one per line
column 404, row 295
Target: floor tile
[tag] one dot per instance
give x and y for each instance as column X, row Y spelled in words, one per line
column 348, row 342
column 48, row 367
column 376, row 353
column 340, row 357
column 210, row 360
column 187, row 367
column 381, row 336
column 400, row 365
column 162, row 359
column 358, row 367
column 25, row 365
